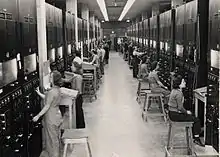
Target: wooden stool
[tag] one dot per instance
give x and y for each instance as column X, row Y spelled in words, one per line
column 171, row 134
column 148, row 95
column 76, row 136
column 140, row 91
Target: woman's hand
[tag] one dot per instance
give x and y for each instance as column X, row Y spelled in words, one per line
column 37, row 91
column 188, row 112
column 36, row 118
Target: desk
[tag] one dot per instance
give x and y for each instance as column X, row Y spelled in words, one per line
column 87, row 66
column 68, row 97
column 200, row 94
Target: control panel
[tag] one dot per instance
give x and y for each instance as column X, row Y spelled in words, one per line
column 12, row 120
column 32, row 108
column 212, row 111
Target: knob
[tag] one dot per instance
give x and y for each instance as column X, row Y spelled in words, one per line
column 16, row 150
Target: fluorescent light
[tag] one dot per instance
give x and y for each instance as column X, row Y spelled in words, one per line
column 126, row 8
column 102, row 7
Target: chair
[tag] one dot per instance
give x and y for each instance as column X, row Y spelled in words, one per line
column 171, row 134
column 76, row 136
column 148, row 96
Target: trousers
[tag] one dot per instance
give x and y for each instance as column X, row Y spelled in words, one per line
column 183, row 117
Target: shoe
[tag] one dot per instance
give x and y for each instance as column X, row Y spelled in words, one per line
column 198, row 142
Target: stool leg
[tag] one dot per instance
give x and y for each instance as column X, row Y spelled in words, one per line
column 65, row 150
column 187, row 140
column 191, row 140
column 169, row 137
column 163, row 110
column 145, row 101
column 148, row 103
column 88, row 149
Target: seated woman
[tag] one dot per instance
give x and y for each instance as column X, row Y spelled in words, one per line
column 155, row 85
column 144, row 72
column 178, row 113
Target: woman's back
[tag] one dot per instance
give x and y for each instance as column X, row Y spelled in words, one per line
column 53, row 115
column 153, row 78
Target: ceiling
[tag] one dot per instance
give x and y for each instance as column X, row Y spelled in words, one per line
column 115, row 7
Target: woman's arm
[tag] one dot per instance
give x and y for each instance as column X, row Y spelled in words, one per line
column 180, row 101
column 40, row 94
column 48, row 101
column 93, row 60
column 160, row 83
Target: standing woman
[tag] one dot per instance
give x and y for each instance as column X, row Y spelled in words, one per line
column 106, row 48
column 135, row 62
column 77, row 85
column 52, row 116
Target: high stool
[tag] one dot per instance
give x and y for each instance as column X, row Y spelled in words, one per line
column 149, row 95
column 171, row 134
column 76, row 136
column 140, row 90
column 88, row 85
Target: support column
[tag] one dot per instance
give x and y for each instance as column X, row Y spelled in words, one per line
column 100, row 30
column 96, row 24
column 85, row 15
column 42, row 47
column 156, row 12
column 174, row 5
column 92, row 20
column 71, row 5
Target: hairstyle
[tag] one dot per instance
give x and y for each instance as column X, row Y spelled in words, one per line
column 57, row 78
column 177, row 81
column 94, row 51
column 154, row 65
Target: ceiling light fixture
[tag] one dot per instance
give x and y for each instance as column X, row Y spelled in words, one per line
column 128, row 21
column 126, row 8
column 103, row 21
column 103, row 9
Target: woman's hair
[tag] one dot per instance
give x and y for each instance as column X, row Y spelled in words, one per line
column 154, row 65
column 57, row 78
column 177, row 81
column 94, row 51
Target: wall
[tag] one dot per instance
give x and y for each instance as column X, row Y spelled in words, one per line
column 119, row 28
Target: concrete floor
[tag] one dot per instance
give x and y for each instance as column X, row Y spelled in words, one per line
column 116, row 128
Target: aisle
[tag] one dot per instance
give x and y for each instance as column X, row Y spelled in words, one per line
column 114, row 120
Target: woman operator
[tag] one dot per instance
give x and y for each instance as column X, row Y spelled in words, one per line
column 178, row 113
column 52, row 115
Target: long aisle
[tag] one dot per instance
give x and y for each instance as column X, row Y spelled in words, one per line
column 114, row 121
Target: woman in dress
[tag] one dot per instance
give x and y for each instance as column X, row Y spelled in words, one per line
column 52, row 115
